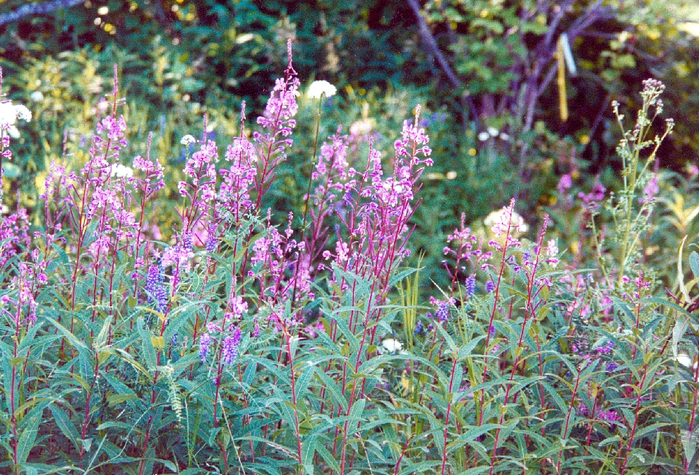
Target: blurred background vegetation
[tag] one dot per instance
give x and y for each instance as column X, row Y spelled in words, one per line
column 489, row 74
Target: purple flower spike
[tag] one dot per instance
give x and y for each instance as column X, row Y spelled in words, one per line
column 157, row 293
column 204, row 346
column 418, row 327
column 442, row 313
column 230, row 351
column 230, row 347
column 470, row 285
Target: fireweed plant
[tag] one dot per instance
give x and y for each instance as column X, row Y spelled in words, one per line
column 247, row 345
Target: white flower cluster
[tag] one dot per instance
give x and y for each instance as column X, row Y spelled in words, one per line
column 492, row 132
column 318, row 88
column 392, row 345
column 687, row 361
column 187, row 140
column 10, row 113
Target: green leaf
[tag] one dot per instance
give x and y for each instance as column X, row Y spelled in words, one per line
column 355, row 415
column 14, row 362
column 65, row 425
column 101, row 337
column 333, row 390
column 678, row 331
column 304, row 379
column 399, row 276
column 87, row 444
column 116, row 399
column 491, row 25
column 158, row 342
column 468, row 436
column 680, row 272
column 114, row 424
column 147, row 348
column 651, row 428
column 476, row 470
column 72, row 339
column 562, row 405
column 694, row 263
column 308, row 450
column 446, row 337
column 328, row 458
column 10, row 170
column 468, row 347
column 28, row 430
column 287, row 412
column 689, row 444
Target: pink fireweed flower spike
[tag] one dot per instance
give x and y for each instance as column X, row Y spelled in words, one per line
column 289, row 54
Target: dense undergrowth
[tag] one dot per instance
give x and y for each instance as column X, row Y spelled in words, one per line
column 239, row 342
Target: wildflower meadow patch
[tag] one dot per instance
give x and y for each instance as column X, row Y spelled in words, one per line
column 256, row 341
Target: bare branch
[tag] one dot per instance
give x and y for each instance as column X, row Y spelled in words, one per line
column 594, row 14
column 36, row 9
column 431, row 44
column 562, row 9
column 428, row 39
column 547, row 48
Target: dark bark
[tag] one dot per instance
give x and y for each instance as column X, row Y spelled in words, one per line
column 433, row 48
column 34, row 9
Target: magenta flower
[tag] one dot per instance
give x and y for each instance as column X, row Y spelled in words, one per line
column 201, row 168
column 565, row 183
column 154, row 174
column 609, row 416
column 582, row 410
column 239, row 179
column 591, row 200
column 650, row 191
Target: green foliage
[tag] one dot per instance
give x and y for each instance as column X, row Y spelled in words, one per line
column 125, row 353
column 183, row 59
column 579, row 366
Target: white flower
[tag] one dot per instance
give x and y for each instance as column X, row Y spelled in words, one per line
column 23, row 113
column 120, row 171
column 504, row 136
column 13, row 132
column 685, row 360
column 10, row 113
column 187, row 139
column 493, row 132
column 392, row 345
column 483, row 136
column 318, row 88
column 36, row 96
